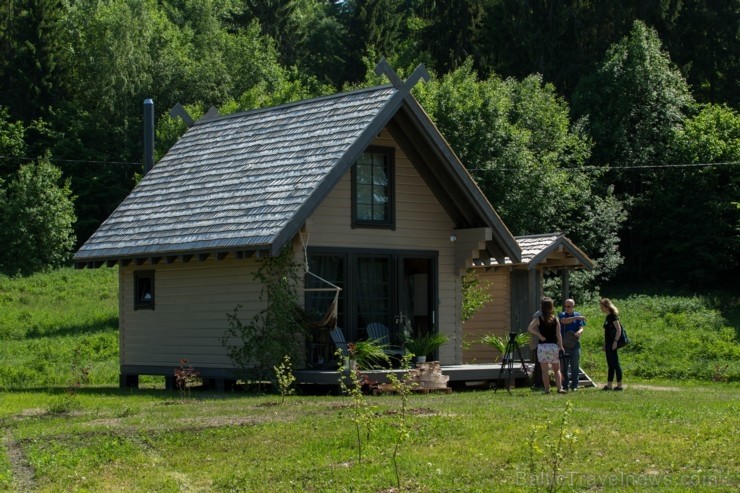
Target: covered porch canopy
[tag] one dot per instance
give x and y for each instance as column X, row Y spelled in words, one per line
column 542, row 253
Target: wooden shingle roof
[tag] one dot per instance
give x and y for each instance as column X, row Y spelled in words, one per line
column 247, row 182
column 550, row 250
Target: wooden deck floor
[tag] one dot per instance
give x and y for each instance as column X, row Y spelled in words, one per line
column 472, row 375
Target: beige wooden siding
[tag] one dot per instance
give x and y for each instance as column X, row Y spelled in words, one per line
column 494, row 318
column 421, row 224
column 189, row 319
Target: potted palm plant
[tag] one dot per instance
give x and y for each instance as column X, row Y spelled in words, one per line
column 499, row 343
column 424, row 345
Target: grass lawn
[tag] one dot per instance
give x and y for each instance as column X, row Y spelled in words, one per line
column 67, row 427
column 648, row 438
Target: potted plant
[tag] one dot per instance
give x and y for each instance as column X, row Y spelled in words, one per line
column 367, row 354
column 499, row 343
column 424, row 345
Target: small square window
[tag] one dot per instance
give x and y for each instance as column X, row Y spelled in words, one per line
column 144, row 290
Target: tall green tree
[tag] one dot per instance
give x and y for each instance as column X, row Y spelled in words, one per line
column 565, row 39
column 705, row 43
column 451, row 31
column 374, row 29
column 518, row 142
column 36, row 217
column 12, row 144
column 696, row 206
column 635, row 102
column 34, row 45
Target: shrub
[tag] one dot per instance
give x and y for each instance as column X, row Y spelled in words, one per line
column 36, row 218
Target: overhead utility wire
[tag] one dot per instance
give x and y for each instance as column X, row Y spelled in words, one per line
column 605, row 168
column 83, row 161
column 609, row 168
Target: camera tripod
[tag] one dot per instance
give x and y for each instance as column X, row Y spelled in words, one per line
column 508, row 362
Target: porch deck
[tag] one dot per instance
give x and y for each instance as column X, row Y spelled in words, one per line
column 460, row 375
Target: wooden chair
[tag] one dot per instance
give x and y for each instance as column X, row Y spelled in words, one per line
column 380, row 333
column 338, row 337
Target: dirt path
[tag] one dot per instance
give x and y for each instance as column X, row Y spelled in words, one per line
column 653, row 387
column 22, row 470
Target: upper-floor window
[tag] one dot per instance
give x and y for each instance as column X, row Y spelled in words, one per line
column 144, row 290
column 373, row 203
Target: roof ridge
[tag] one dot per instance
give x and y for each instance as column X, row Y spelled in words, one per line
column 539, row 235
column 291, row 104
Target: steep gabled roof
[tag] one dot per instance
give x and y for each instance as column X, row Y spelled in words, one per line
column 247, row 182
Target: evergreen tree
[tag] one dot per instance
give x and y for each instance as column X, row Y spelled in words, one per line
column 33, row 42
column 705, row 42
column 451, row 31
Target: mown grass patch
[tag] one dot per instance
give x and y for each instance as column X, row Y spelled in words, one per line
column 57, row 324
column 644, row 439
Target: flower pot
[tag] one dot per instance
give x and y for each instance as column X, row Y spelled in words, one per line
column 421, row 359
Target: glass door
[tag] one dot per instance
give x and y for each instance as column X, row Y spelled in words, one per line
column 397, row 291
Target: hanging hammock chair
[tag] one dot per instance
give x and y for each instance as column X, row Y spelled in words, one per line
column 329, row 320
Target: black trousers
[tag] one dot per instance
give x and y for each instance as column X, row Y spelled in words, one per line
column 612, row 362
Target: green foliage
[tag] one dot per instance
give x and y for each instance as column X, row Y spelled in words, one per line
column 476, row 294
column 57, row 325
column 257, row 346
column 499, row 343
column 11, row 142
column 35, row 57
column 672, row 337
column 285, row 378
column 636, row 101
column 368, row 354
column 351, row 381
column 403, row 385
column 551, row 444
column 517, row 141
column 708, row 239
column 75, row 75
column 425, row 344
column 36, row 217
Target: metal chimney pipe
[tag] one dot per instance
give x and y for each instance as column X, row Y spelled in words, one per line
column 148, row 135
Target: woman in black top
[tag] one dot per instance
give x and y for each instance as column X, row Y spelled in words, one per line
column 547, row 329
column 612, row 332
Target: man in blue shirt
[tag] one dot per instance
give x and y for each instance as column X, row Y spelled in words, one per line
column 571, row 321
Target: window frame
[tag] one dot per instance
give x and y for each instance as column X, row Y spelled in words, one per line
column 139, row 277
column 389, row 222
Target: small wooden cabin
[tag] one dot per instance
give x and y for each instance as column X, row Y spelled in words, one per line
column 360, row 184
column 517, row 288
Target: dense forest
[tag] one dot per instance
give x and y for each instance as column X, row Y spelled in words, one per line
column 614, row 122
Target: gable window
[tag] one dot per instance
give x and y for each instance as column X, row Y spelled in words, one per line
column 144, row 290
column 373, row 203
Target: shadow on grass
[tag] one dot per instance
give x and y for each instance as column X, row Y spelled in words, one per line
column 118, row 392
column 108, row 324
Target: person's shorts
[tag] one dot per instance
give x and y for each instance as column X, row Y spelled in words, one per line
column 548, row 353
